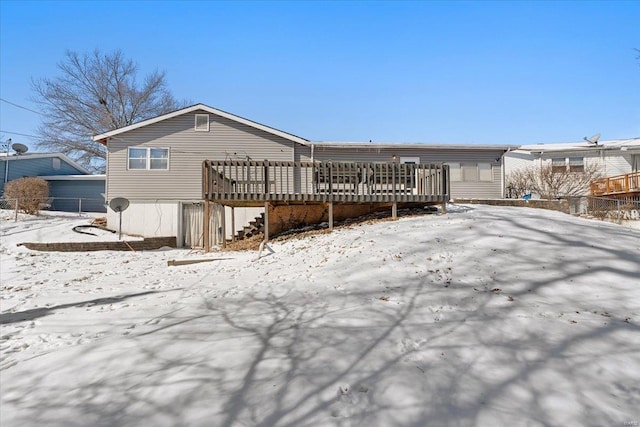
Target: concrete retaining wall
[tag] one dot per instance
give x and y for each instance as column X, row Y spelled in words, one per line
column 554, row 205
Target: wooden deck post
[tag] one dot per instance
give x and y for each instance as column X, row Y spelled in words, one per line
column 266, row 221
column 331, row 215
column 394, row 210
column 206, row 234
column 223, row 217
column 233, row 224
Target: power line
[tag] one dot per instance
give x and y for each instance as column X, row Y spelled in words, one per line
column 20, row 106
column 21, row 134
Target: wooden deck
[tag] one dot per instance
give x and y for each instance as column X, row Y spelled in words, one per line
column 251, row 183
column 627, row 185
column 272, row 184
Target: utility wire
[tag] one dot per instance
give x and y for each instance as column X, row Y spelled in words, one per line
column 21, row 134
column 20, row 106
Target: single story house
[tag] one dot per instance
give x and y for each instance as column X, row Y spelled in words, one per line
column 157, row 164
column 71, row 186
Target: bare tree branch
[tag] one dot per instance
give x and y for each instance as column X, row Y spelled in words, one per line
column 551, row 182
column 96, row 93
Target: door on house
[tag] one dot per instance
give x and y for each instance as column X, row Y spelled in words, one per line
column 192, row 229
column 635, row 162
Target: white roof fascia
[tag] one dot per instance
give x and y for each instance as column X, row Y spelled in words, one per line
column 208, row 109
column 73, row 177
column 415, row 145
column 617, row 144
column 61, row 156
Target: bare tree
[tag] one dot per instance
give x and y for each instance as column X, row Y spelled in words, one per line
column 96, row 93
column 551, row 182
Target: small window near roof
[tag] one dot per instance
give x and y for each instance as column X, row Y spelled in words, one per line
column 56, row 163
column 202, row 123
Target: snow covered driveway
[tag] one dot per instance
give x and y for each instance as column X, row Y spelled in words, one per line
column 485, row 316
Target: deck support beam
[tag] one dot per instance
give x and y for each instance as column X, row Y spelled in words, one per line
column 444, row 206
column 206, row 234
column 394, row 210
column 331, row 215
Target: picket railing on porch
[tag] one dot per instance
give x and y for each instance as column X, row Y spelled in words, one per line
column 348, row 182
column 619, row 184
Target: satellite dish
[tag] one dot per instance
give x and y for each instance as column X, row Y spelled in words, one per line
column 593, row 140
column 119, row 204
column 19, row 148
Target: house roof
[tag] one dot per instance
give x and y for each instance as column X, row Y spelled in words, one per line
column 104, row 136
column 377, row 145
column 616, row 144
column 28, row 156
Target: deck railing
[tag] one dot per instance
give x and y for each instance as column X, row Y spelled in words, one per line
column 355, row 182
column 616, row 184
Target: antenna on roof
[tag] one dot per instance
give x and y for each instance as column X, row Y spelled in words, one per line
column 19, row 148
column 593, row 140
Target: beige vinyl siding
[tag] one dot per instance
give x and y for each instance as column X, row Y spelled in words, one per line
column 618, row 162
column 188, row 148
column 477, row 189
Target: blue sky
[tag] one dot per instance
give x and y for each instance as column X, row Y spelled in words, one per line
column 435, row 72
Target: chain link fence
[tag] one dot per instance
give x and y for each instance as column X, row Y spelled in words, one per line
column 61, row 204
column 620, row 211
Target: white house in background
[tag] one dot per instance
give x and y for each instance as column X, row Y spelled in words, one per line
column 615, row 157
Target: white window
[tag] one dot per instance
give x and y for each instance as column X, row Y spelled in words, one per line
column 455, row 174
column 485, row 172
column 148, row 158
column 558, row 164
column 576, row 164
column 469, row 172
column 56, row 163
column 635, row 162
column 202, row 123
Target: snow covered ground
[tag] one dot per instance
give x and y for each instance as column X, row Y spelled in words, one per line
column 484, row 316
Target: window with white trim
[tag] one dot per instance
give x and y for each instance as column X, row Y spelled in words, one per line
column 576, row 164
column 455, row 174
column 469, row 172
column 56, row 163
column 485, row 172
column 148, row 158
column 558, row 164
column 202, row 123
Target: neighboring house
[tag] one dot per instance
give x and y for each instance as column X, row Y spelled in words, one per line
column 68, row 181
column 613, row 158
column 158, row 165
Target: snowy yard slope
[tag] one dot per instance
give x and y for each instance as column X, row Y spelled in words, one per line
column 484, row 316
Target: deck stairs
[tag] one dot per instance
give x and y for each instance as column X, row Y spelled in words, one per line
column 254, row 228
